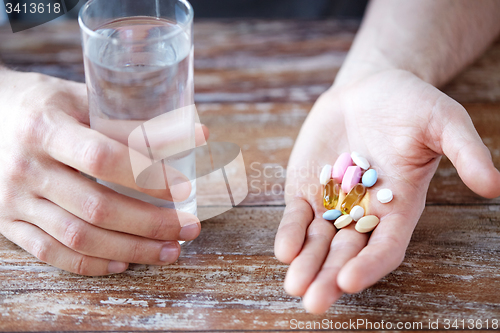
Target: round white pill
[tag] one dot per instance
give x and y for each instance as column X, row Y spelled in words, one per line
column 360, row 161
column 325, row 175
column 385, row 195
column 357, row 212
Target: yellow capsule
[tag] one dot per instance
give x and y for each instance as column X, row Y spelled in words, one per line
column 331, row 194
column 353, row 198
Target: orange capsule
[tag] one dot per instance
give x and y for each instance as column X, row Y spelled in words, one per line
column 331, row 194
column 353, row 198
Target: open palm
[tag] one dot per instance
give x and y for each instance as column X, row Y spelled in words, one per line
column 402, row 125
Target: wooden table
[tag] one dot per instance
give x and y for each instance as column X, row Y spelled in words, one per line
column 261, row 78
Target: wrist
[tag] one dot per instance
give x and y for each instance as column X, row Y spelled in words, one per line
column 357, row 67
column 361, row 64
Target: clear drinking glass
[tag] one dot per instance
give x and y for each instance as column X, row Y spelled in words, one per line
column 139, row 73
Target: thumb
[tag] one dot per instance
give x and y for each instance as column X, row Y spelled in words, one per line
column 461, row 143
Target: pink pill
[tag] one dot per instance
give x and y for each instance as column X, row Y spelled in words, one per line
column 339, row 168
column 352, row 177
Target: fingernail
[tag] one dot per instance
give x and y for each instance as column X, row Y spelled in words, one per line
column 189, row 231
column 180, row 189
column 169, row 253
column 117, row 266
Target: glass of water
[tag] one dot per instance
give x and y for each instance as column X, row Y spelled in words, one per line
column 139, row 73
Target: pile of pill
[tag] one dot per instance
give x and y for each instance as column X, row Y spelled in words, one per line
column 352, row 175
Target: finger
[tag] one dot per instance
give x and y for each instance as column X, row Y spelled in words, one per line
column 119, row 130
column 383, row 254
column 461, row 143
column 304, row 268
column 110, row 210
column 47, row 249
column 201, row 134
column 75, row 101
column 324, row 291
column 89, row 240
column 101, row 157
column 292, row 230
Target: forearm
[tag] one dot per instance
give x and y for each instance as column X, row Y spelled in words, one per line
column 434, row 39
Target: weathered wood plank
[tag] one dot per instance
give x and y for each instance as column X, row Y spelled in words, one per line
column 245, row 61
column 228, row 279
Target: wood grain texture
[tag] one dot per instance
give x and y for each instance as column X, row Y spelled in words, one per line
column 262, row 77
column 245, row 61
